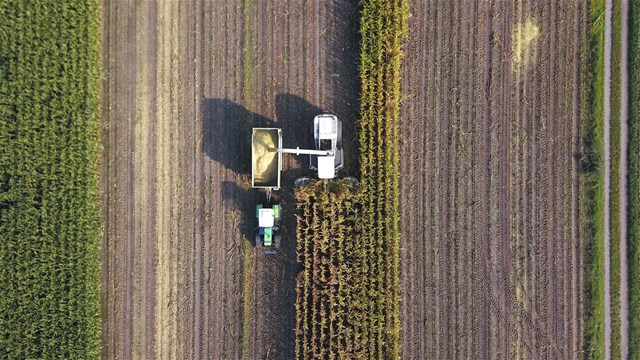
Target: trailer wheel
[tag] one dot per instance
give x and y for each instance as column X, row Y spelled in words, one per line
column 258, row 241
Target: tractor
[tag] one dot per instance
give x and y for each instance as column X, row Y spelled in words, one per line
column 268, row 235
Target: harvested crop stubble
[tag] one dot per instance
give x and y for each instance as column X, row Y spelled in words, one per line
column 49, row 76
column 348, row 289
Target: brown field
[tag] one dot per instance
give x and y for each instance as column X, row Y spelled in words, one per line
column 491, row 258
column 184, row 83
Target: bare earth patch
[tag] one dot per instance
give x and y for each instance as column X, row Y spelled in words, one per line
column 491, row 255
column 185, row 82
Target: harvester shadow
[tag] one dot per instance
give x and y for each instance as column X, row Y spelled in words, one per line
column 295, row 117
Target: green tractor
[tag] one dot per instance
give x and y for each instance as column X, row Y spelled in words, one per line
column 268, row 236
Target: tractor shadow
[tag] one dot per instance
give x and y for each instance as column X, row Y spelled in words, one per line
column 227, row 140
column 276, row 274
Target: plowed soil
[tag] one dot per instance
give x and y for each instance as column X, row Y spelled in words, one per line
column 491, row 256
column 184, row 83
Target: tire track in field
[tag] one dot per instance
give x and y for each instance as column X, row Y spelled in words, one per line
column 443, row 118
column 128, row 223
column 165, row 326
column 118, row 240
column 551, row 239
column 152, row 166
column 523, row 292
column 483, row 145
column 576, row 330
column 144, row 166
column 413, row 256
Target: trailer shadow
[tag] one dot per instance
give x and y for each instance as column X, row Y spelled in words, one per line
column 227, row 133
column 227, row 129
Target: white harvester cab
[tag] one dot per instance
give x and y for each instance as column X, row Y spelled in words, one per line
column 326, row 169
column 327, row 136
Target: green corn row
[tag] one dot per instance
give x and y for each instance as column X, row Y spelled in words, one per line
column 49, row 226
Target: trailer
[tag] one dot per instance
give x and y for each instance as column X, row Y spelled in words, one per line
column 266, row 160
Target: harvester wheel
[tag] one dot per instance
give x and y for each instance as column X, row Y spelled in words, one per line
column 301, row 182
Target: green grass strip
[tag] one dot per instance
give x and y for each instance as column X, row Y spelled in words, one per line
column 592, row 184
column 615, row 177
column 49, row 225
column 634, row 180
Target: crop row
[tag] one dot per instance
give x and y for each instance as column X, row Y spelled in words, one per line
column 383, row 30
column 348, row 288
column 332, row 302
column 49, row 227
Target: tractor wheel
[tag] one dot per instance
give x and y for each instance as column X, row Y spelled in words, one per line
column 277, row 239
column 258, row 241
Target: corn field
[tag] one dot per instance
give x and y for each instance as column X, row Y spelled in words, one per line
column 49, row 257
column 348, row 289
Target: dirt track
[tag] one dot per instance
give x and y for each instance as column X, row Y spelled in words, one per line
column 623, row 296
column 185, row 82
column 491, row 257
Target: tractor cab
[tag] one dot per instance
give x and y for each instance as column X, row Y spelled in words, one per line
column 268, row 236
